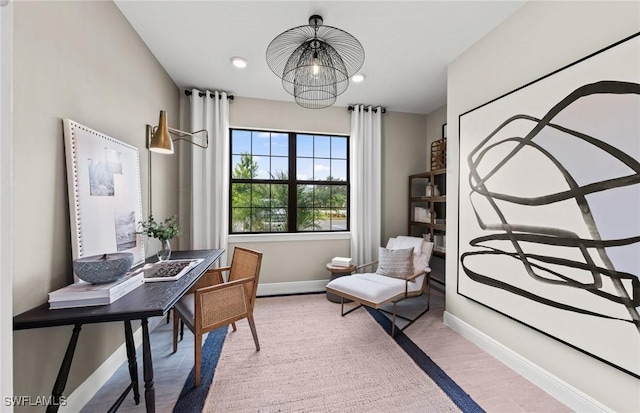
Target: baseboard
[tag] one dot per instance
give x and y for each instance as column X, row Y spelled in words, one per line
column 561, row 390
column 294, row 287
column 85, row 391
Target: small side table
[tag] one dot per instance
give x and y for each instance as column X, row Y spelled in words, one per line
column 335, row 273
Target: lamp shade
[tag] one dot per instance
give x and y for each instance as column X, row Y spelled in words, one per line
column 315, row 62
column 161, row 140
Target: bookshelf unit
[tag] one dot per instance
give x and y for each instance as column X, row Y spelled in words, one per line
column 427, row 208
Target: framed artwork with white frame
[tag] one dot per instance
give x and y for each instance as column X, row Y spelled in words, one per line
column 105, row 201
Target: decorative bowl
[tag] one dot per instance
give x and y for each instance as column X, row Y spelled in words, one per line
column 105, row 268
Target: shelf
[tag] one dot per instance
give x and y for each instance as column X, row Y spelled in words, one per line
column 440, row 227
column 426, row 207
column 440, row 253
column 421, row 224
column 429, row 199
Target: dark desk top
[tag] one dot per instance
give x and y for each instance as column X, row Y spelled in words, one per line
column 149, row 300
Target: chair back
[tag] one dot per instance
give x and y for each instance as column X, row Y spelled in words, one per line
column 420, row 261
column 246, row 264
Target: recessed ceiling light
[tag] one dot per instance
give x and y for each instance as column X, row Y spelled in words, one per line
column 358, row 77
column 239, row 62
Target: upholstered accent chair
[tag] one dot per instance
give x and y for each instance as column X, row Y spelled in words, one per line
column 213, row 302
column 402, row 272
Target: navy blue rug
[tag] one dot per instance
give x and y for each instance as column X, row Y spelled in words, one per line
column 446, row 383
column 192, row 398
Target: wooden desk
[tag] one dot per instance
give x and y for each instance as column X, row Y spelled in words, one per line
column 149, row 300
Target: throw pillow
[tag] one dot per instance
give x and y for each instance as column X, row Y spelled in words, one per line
column 395, row 263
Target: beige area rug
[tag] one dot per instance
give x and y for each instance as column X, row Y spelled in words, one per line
column 314, row 360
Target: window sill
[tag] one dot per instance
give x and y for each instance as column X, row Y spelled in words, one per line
column 316, row 236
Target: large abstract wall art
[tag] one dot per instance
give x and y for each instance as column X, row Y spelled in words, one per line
column 550, row 205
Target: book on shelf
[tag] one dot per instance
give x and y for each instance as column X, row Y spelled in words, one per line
column 440, row 242
column 422, row 214
column 169, row 270
column 83, row 294
column 341, row 262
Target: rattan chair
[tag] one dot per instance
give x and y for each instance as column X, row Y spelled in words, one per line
column 213, row 302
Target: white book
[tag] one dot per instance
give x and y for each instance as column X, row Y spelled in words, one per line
column 138, row 280
column 77, row 303
column 341, row 261
column 421, row 214
column 82, row 290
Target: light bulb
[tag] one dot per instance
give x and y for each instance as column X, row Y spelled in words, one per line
column 315, row 66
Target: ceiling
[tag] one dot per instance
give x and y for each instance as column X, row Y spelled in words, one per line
column 407, row 44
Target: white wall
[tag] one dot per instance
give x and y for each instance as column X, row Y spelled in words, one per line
column 404, row 146
column 538, row 39
column 6, row 187
column 301, row 259
column 78, row 60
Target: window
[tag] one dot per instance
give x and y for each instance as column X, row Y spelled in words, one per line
column 288, row 182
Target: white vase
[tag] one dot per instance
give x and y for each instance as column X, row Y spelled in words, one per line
column 432, row 190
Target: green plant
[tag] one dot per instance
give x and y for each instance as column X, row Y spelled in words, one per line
column 164, row 230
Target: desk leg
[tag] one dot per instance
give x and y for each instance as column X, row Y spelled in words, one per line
column 63, row 373
column 149, row 390
column 131, row 356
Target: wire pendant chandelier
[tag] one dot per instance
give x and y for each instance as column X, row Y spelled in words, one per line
column 315, row 62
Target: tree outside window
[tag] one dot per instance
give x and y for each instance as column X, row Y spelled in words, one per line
column 288, row 182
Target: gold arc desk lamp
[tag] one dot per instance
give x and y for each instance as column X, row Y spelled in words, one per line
column 159, row 140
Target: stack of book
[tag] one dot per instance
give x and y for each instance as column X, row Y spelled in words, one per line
column 84, row 294
column 421, row 214
column 341, row 262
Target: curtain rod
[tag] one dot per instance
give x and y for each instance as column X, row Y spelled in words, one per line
column 375, row 110
column 201, row 94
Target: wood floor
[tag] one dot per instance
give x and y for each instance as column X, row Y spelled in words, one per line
column 495, row 387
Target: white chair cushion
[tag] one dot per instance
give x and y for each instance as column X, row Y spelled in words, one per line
column 381, row 289
column 421, row 262
column 403, row 241
column 391, row 282
column 374, row 288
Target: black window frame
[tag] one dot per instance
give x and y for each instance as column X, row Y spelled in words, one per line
column 292, row 182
